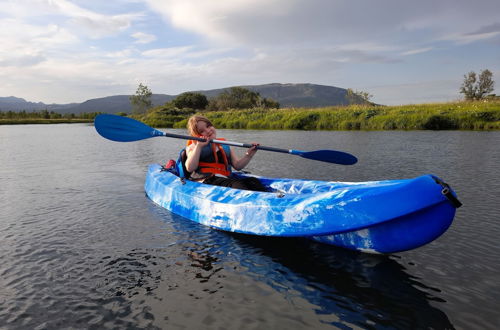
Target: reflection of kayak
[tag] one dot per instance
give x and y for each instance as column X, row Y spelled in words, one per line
column 377, row 216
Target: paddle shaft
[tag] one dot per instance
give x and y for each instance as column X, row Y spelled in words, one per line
column 231, row 143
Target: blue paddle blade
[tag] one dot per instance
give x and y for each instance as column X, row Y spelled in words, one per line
column 123, row 129
column 330, row 156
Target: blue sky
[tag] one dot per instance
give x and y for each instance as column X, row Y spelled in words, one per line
column 401, row 52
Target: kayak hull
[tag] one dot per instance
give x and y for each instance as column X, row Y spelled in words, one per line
column 406, row 233
column 378, row 217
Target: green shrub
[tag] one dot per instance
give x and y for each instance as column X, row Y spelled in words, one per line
column 439, row 122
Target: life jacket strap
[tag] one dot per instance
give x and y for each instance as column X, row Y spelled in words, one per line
column 214, row 168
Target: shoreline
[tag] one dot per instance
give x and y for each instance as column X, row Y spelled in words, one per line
column 455, row 116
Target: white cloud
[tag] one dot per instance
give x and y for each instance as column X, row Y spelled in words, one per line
column 26, row 44
column 143, row 38
column 416, row 51
column 87, row 22
column 121, row 54
column 394, row 23
column 209, row 18
column 468, row 38
column 167, row 52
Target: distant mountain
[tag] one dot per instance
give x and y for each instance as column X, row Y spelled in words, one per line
column 295, row 95
column 288, row 95
column 109, row 104
column 12, row 103
column 114, row 104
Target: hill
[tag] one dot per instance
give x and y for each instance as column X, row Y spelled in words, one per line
column 114, row 104
column 12, row 103
column 288, row 95
column 294, row 95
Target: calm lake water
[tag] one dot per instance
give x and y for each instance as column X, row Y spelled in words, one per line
column 82, row 247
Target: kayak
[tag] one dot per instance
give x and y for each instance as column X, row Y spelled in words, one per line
column 376, row 216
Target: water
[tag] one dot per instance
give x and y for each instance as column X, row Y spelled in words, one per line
column 82, row 247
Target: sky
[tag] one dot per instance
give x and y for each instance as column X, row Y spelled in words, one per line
column 399, row 51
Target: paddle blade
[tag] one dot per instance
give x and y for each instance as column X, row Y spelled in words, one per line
column 123, row 129
column 330, row 156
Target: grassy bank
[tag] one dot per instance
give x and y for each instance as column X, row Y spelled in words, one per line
column 479, row 115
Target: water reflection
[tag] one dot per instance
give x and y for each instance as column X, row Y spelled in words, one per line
column 358, row 288
column 131, row 274
column 346, row 288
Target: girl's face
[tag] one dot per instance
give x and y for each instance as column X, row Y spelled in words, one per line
column 205, row 130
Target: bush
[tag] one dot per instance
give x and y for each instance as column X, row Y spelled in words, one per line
column 486, row 116
column 371, row 113
column 190, row 100
column 303, row 121
column 439, row 122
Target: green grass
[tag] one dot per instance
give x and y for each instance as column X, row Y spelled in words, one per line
column 471, row 115
column 478, row 115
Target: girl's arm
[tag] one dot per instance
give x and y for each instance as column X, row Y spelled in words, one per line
column 240, row 163
column 193, row 153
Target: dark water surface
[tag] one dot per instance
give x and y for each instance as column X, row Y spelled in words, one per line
column 82, row 247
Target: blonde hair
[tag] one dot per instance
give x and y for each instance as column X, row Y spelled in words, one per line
column 193, row 120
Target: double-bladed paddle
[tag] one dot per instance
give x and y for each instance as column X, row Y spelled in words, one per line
column 124, row 129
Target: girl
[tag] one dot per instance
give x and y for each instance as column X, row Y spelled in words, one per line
column 211, row 163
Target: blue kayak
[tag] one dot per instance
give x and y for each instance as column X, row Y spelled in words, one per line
column 377, row 216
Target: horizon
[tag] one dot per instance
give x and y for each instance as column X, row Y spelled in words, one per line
column 70, row 51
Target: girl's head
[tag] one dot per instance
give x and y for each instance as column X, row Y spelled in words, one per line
column 200, row 126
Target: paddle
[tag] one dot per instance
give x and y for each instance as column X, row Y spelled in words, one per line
column 124, row 129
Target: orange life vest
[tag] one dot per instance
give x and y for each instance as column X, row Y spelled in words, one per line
column 222, row 167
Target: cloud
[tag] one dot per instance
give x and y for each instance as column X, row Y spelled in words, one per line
column 483, row 33
column 143, row 38
column 416, row 51
column 281, row 23
column 26, row 44
column 167, row 52
column 21, row 60
column 121, row 54
column 85, row 21
column 492, row 28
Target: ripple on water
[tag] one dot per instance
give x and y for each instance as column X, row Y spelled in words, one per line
column 82, row 247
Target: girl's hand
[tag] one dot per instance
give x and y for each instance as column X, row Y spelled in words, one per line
column 253, row 150
column 240, row 163
column 193, row 152
column 203, row 143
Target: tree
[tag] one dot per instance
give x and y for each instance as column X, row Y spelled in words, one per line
column 190, row 100
column 141, row 101
column 475, row 88
column 356, row 97
column 365, row 96
column 240, row 98
column 486, row 84
column 268, row 103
